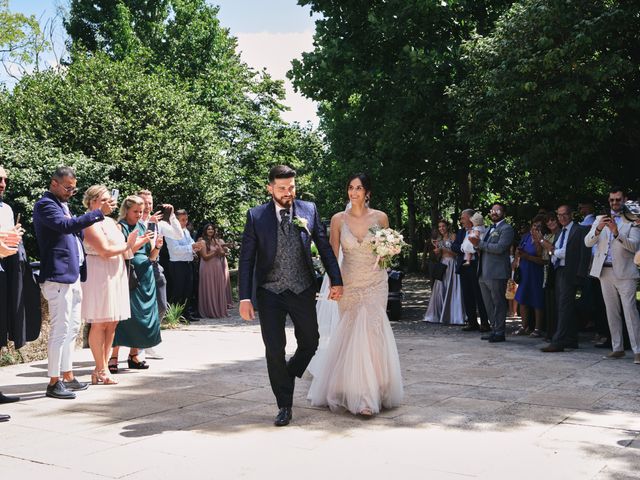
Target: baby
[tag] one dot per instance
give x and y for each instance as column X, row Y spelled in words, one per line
column 477, row 231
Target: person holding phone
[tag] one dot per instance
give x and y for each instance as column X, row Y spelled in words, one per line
column 105, row 293
column 166, row 225
column 142, row 330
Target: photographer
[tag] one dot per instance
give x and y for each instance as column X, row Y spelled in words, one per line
column 617, row 239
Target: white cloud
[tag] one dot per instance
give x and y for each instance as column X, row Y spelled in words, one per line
column 274, row 51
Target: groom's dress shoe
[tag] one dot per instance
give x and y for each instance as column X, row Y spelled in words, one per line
column 5, row 399
column 470, row 328
column 283, row 418
column 497, row 339
column 4, row 418
column 487, row 337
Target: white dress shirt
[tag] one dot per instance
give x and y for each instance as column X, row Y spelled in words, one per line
column 171, row 229
column 561, row 253
column 181, row 250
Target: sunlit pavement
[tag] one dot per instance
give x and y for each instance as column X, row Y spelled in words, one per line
column 471, row 410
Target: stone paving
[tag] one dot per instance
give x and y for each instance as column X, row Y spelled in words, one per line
column 471, row 410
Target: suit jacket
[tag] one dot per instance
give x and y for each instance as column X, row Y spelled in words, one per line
column 56, row 234
column 623, row 249
column 456, row 246
column 495, row 263
column 259, row 243
column 577, row 255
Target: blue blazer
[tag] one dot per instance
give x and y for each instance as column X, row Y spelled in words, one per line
column 56, row 235
column 260, row 238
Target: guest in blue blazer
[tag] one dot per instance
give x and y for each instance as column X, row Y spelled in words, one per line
column 62, row 268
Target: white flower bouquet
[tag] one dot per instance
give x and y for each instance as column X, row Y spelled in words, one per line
column 386, row 243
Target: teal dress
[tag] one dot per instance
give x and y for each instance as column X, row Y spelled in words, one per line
column 143, row 329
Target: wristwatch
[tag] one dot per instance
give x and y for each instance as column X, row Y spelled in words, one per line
column 542, row 241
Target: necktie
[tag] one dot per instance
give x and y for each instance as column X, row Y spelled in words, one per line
column 556, row 261
column 284, row 218
column 491, row 228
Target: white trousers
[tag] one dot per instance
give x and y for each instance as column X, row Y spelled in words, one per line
column 620, row 296
column 64, row 317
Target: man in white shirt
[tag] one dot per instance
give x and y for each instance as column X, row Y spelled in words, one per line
column 570, row 260
column 181, row 253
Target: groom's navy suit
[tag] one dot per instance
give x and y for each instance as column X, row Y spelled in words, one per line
column 280, row 254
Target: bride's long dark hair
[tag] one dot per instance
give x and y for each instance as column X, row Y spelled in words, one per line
column 366, row 184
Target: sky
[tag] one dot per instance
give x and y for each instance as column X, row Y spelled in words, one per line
column 270, row 34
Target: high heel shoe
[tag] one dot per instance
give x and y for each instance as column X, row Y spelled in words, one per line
column 113, row 365
column 136, row 365
column 100, row 376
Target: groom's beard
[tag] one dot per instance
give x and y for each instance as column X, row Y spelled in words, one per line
column 283, row 203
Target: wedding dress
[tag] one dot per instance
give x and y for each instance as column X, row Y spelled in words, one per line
column 359, row 370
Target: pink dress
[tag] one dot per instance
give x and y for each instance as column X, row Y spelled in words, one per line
column 105, row 294
column 214, row 291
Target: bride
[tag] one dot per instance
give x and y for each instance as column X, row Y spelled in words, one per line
column 359, row 370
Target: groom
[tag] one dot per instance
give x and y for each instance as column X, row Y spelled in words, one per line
column 277, row 243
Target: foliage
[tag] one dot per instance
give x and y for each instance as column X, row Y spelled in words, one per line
column 173, row 317
column 380, row 70
column 19, row 35
column 29, row 164
column 552, row 99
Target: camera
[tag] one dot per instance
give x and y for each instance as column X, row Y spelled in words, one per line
column 631, row 210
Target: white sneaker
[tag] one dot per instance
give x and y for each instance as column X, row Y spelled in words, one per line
column 153, row 354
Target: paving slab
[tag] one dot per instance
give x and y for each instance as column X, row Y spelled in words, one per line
column 471, row 410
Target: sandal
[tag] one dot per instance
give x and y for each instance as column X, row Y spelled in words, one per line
column 521, row 331
column 537, row 333
column 135, row 364
column 100, row 376
column 113, row 365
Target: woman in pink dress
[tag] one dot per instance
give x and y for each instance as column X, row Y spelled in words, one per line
column 214, row 291
column 105, row 294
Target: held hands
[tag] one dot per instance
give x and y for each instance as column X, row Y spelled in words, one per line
column 335, row 293
column 246, row 311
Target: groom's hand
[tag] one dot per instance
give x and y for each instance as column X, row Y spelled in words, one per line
column 335, row 293
column 246, row 310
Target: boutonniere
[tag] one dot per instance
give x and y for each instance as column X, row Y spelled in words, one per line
column 495, row 233
column 301, row 223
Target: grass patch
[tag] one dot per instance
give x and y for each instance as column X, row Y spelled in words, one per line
column 173, row 318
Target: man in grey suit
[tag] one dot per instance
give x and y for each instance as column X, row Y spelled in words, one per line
column 617, row 239
column 494, row 269
column 570, row 259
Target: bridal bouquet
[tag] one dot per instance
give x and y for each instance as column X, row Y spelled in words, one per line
column 386, row 243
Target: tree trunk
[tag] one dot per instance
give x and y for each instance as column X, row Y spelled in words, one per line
column 411, row 210
column 464, row 186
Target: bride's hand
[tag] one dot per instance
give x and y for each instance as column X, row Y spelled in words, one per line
column 335, row 293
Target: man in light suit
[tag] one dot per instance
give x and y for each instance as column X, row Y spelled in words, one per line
column 617, row 239
column 62, row 268
column 276, row 243
column 495, row 270
column 570, row 259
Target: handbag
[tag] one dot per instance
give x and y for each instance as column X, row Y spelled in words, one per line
column 131, row 273
column 437, row 271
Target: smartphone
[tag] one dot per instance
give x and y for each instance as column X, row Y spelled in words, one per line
column 152, row 227
column 18, row 218
column 115, row 193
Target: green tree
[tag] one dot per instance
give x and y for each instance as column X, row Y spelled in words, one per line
column 20, row 36
column 380, row 70
column 551, row 105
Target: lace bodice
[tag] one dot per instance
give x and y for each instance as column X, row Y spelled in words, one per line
column 362, row 278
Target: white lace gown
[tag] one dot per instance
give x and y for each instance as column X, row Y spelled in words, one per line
column 360, row 368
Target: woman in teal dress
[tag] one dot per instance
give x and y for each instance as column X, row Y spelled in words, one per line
column 143, row 329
